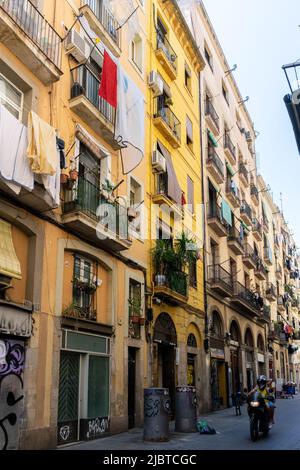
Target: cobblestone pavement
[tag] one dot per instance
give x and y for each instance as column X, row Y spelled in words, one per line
column 232, row 434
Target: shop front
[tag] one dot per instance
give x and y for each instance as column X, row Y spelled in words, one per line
column 219, row 389
column 84, row 380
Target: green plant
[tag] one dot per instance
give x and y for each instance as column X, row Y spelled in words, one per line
column 108, row 186
column 135, row 306
column 86, row 286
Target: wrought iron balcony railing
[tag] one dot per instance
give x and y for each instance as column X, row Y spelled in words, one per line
column 243, row 171
column 163, row 43
column 87, row 84
column 87, row 198
column 168, row 117
column 217, row 274
column 36, row 27
column 215, row 160
column 246, row 209
column 106, row 18
column 210, row 111
column 229, row 145
column 175, row 281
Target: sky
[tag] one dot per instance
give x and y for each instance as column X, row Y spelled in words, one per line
column 260, row 36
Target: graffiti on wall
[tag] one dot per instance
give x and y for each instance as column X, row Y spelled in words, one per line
column 12, row 360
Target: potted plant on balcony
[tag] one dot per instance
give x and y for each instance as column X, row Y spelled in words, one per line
column 135, row 309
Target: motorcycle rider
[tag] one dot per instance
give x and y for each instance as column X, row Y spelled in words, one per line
column 263, row 390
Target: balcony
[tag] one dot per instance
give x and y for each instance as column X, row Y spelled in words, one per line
column 212, row 117
column 162, row 198
column 257, row 230
column 276, row 332
column 278, row 272
column 167, row 123
column 215, row 220
column 254, row 194
column 104, row 24
column 260, row 270
column 271, row 293
column 235, row 241
column 172, row 287
column 247, row 301
column 233, row 194
column 229, row 149
column 249, row 257
column 243, row 174
column 215, row 166
column 266, row 224
column 268, row 256
column 29, row 36
column 220, row 281
column 88, row 105
column 166, row 56
column 246, row 213
column 281, row 304
column 266, row 313
column 94, row 218
column 276, row 241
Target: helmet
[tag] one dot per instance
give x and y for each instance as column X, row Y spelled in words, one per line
column 262, row 381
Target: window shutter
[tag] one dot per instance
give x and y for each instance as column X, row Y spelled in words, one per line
column 190, row 192
column 189, row 128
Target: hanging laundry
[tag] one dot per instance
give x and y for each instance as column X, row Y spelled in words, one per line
column 14, row 165
column 130, row 122
column 41, row 151
column 108, row 89
column 183, row 200
column 62, row 158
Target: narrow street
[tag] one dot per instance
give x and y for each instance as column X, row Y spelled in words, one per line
column 232, row 434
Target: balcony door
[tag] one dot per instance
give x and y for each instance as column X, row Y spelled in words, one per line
column 89, row 181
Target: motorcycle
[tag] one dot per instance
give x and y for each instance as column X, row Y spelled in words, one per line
column 259, row 416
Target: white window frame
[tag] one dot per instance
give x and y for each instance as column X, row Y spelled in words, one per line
column 132, row 231
column 11, row 103
column 133, row 52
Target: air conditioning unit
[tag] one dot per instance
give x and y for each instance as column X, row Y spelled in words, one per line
column 77, row 46
column 156, row 83
column 158, row 162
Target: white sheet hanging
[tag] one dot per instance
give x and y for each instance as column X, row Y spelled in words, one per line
column 14, row 165
column 130, row 122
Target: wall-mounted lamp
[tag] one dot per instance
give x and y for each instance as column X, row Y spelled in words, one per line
column 244, row 101
column 231, row 70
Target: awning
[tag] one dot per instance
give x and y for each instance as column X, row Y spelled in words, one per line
column 88, row 141
column 226, row 212
column 294, row 114
column 230, row 169
column 9, row 263
column 212, row 138
column 174, row 190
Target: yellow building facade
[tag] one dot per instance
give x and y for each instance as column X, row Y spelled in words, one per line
column 174, row 197
column 72, row 292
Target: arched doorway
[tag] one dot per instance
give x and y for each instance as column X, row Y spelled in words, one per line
column 261, row 355
column 250, row 370
column 165, row 339
column 217, row 363
column 235, row 341
column 191, row 359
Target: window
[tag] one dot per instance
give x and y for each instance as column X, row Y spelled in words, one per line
column 225, row 93
column 134, row 211
column 208, row 58
column 84, row 286
column 188, row 78
column 189, row 133
column 193, row 273
column 11, row 97
column 135, row 309
column 190, row 194
column 137, row 52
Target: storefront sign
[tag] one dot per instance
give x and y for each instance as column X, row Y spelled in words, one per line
column 217, row 353
column 260, row 357
column 15, row 322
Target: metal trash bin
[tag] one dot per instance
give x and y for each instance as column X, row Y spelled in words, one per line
column 157, row 411
column 186, row 409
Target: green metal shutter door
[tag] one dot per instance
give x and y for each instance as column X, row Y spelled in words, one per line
column 68, row 387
